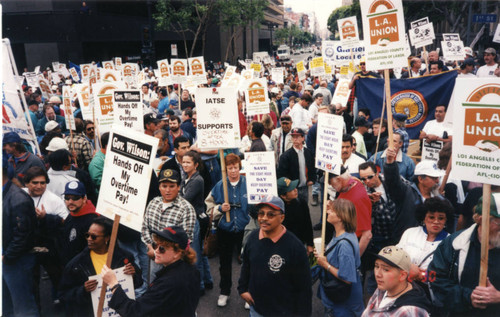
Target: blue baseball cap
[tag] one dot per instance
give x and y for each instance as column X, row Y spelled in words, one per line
column 175, row 234
column 274, row 202
column 75, row 188
column 11, row 137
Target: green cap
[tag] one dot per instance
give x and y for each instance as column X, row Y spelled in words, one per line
column 286, row 185
column 493, row 206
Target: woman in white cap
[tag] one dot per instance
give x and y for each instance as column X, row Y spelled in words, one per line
column 395, row 295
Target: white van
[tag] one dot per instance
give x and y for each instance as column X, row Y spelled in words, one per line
column 283, row 52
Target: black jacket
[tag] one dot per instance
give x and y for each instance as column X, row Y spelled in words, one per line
column 298, row 221
column 289, row 165
column 18, row 222
column 174, row 292
column 76, row 273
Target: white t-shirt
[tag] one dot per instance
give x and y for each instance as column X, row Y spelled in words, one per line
column 437, row 128
column 352, row 163
column 52, row 204
column 487, row 71
column 300, row 118
column 313, row 111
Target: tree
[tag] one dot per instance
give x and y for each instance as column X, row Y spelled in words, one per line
column 341, row 13
column 192, row 17
column 236, row 15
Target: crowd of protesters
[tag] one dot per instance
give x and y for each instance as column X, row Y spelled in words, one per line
column 401, row 244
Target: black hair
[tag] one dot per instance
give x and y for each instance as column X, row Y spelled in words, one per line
column 59, row 159
column 79, row 125
column 172, row 118
column 368, row 164
column 366, row 111
column 258, row 129
column 32, row 102
column 104, row 139
column 105, row 223
column 347, row 138
column 434, row 204
column 188, row 112
column 33, row 172
column 307, row 97
column 180, row 139
column 319, row 95
column 437, row 63
column 196, row 157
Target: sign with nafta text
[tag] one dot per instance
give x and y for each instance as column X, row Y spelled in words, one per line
column 260, row 171
column 421, row 33
column 476, row 130
column 329, row 143
column 128, row 109
column 256, row 96
column 218, row 125
column 348, row 29
column 127, row 173
column 127, row 284
column 384, row 30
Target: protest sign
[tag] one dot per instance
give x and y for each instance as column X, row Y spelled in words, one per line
column 277, row 74
column 118, row 63
column 328, row 51
column 37, row 69
column 68, row 111
column 329, row 143
column 55, row 78
column 83, row 93
column 383, row 29
column 103, row 103
column 421, row 33
column 13, row 119
column 127, row 173
column 110, row 75
column 108, row 65
column 32, row 79
column 247, row 74
column 256, row 96
column 55, row 66
column 127, row 284
column 342, row 92
column 44, row 87
column 93, row 75
column 257, row 68
column 173, row 49
column 74, row 74
column 451, row 37
column 342, row 54
column 85, row 71
column 129, row 112
column 164, row 78
column 317, row 66
column 476, row 130
column 348, row 30
column 179, row 70
column 64, row 71
column 301, row 70
column 190, row 84
column 218, row 125
column 496, row 36
column 197, row 70
column 430, row 151
column 230, row 70
column 453, row 50
column 233, row 82
column 260, row 171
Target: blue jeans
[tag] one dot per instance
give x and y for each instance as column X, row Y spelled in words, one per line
column 201, row 261
column 254, row 313
column 213, row 168
column 17, row 285
column 140, row 252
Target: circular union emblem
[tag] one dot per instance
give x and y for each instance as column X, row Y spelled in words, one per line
column 329, row 51
column 276, row 262
column 167, row 173
column 412, row 104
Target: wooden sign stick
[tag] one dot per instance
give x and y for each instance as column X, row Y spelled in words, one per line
column 109, row 259
column 224, row 182
column 323, row 222
column 426, row 59
column 389, row 110
column 485, row 235
column 380, row 130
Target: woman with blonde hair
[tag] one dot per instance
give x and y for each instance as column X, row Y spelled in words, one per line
column 175, row 290
column 341, row 262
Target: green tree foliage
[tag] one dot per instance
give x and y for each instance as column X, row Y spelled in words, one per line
column 295, row 35
column 341, row 13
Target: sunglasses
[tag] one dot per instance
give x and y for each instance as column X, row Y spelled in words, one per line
column 367, row 177
column 92, row 236
column 72, row 197
column 38, row 183
column 269, row 215
column 161, row 249
column 90, row 129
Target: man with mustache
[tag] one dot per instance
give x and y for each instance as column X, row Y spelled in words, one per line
column 456, row 266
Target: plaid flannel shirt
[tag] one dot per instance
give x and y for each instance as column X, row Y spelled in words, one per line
column 178, row 213
column 83, row 150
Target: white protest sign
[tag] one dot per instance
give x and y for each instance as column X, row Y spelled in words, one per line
column 317, row 66
column 103, row 103
column 342, row 92
column 68, row 111
column 453, row 50
column 233, row 82
column 430, row 151
column 383, row 29
column 451, row 37
column 301, row 70
column 260, row 171
column 164, row 78
column 277, row 74
column 128, row 109
column 127, row 284
column 328, row 51
column 256, row 96
column 118, row 63
column 421, row 33
column 74, row 74
column 127, row 173
column 496, row 37
column 348, row 30
column 83, row 93
column 247, row 74
column 329, row 143
column 108, row 65
column 110, row 75
column 173, row 49
column 179, row 70
column 197, row 69
column 13, row 119
column 37, row 69
column 55, row 66
column 218, row 125
column 476, row 130
column 343, row 54
column 85, row 71
column 31, row 79
column 44, row 87
column 64, row 71
column 230, row 71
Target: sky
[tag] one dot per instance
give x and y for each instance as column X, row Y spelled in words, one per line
column 322, row 8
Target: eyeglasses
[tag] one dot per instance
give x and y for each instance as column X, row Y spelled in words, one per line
column 72, row 197
column 92, row 236
column 269, row 215
column 38, row 183
column 161, row 249
column 362, row 64
column 367, row 177
column 90, row 129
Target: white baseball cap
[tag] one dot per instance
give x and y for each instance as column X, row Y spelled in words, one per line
column 428, row 168
column 51, row 125
column 57, row 144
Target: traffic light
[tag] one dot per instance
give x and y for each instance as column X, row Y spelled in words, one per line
column 146, row 36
